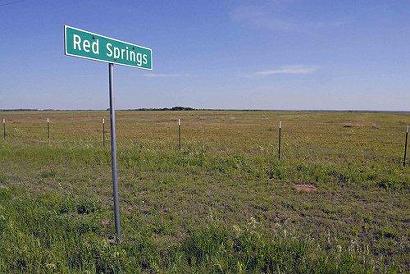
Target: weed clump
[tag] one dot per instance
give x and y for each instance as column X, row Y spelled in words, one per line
column 87, row 206
column 37, row 238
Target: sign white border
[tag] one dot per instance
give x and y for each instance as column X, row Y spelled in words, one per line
column 95, row 59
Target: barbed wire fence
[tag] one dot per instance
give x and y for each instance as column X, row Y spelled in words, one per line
column 285, row 139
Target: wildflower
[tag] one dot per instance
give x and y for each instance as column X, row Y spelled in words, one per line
column 252, row 222
column 51, row 266
column 104, row 243
column 237, row 230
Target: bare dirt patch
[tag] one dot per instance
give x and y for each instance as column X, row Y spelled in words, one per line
column 305, row 188
column 360, row 125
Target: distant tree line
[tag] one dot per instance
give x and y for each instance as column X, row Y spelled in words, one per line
column 20, row 109
column 178, row 108
column 163, row 109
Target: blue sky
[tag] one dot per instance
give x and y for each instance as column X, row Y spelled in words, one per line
column 289, row 54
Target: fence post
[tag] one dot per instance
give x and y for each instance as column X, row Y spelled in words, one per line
column 280, row 140
column 405, row 147
column 103, row 132
column 48, row 130
column 4, row 128
column 179, row 133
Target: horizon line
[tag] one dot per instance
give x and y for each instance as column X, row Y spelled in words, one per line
column 178, row 108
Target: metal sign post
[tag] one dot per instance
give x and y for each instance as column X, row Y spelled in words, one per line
column 88, row 45
column 280, row 139
column 4, row 128
column 48, row 130
column 179, row 133
column 103, row 132
column 405, row 147
column 116, row 196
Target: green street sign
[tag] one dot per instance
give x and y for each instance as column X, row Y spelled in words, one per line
column 85, row 44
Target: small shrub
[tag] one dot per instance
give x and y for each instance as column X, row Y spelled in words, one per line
column 388, row 232
column 87, row 206
column 341, row 179
column 3, row 179
column 386, row 184
column 3, row 224
column 47, row 174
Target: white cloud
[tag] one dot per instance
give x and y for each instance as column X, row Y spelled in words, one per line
column 260, row 18
column 271, row 16
column 296, row 69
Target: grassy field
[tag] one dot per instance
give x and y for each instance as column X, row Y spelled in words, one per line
column 337, row 202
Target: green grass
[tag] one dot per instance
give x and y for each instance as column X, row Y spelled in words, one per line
column 56, row 233
column 224, row 203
